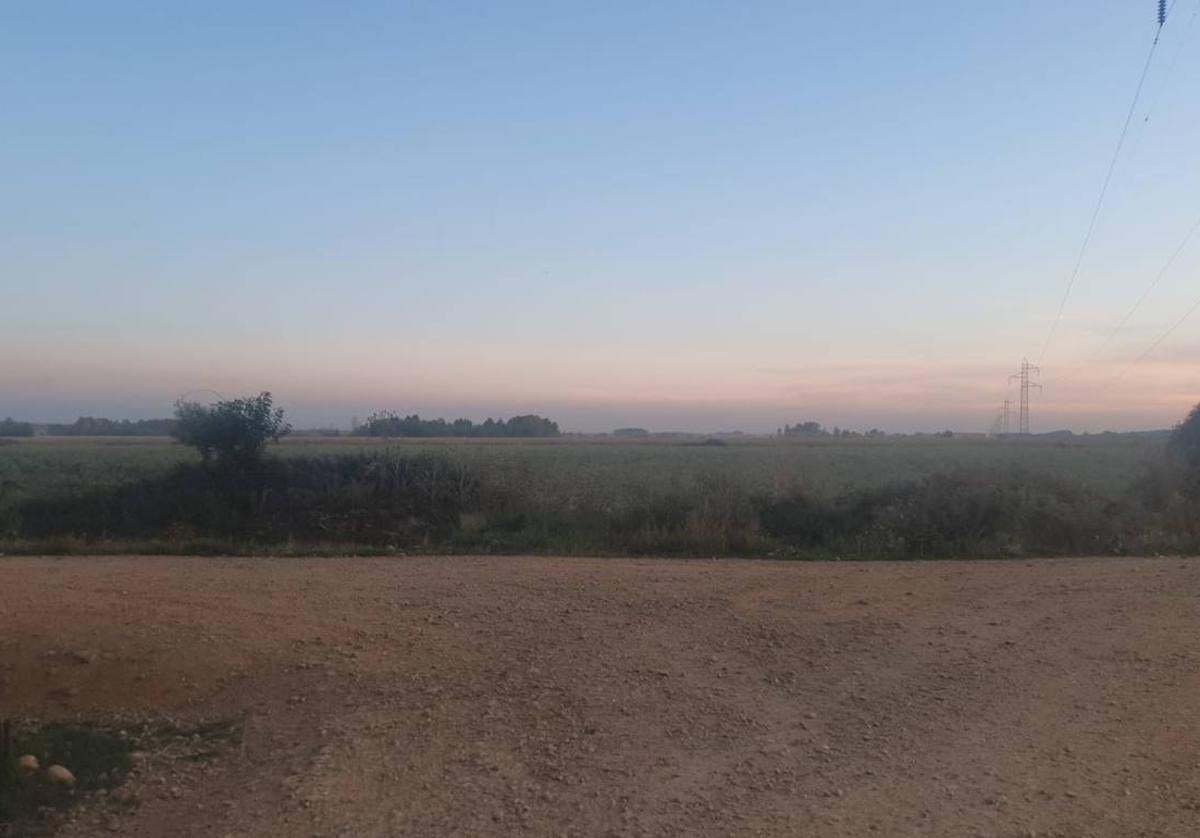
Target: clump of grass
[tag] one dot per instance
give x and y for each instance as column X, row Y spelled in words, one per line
column 98, row 758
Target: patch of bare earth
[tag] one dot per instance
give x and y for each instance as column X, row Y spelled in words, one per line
column 458, row 696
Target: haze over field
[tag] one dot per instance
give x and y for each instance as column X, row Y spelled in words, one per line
column 681, row 216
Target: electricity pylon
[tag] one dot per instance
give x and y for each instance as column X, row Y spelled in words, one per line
column 1027, row 369
column 1000, row 423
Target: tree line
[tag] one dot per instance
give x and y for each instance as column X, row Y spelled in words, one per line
column 384, row 424
column 11, row 427
column 816, row 429
column 388, row 424
column 99, row 426
column 89, row 426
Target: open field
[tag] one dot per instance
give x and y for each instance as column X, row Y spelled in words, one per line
column 444, row 696
column 912, row 497
column 598, row 471
column 1104, row 463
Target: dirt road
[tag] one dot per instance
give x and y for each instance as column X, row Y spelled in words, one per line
column 533, row 696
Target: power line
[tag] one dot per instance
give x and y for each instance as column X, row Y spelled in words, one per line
column 1158, row 341
column 1156, row 95
column 1164, row 11
column 1149, row 288
column 1183, row 39
column 1112, row 165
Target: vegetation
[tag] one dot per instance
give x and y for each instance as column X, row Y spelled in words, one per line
column 812, row 429
column 234, row 432
column 97, row 426
column 389, row 424
column 389, row 501
column 821, row 497
column 11, row 427
column 98, row 759
column 1184, row 445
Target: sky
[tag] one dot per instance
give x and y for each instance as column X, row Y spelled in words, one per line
column 677, row 215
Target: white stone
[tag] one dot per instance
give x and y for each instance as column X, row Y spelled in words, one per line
column 60, row 776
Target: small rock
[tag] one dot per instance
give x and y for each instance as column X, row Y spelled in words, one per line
column 28, row 764
column 60, row 776
column 126, row 796
column 83, row 656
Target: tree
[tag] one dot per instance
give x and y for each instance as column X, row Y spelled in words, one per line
column 11, row 427
column 805, row 429
column 236, row 432
column 389, row 424
column 1184, row 445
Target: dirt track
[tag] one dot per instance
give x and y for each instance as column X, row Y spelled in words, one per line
column 611, row 697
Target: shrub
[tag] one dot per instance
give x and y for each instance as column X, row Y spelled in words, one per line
column 235, row 431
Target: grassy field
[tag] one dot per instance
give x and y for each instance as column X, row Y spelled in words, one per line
column 605, row 469
column 578, row 493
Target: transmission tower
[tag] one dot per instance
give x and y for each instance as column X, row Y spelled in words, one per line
column 1027, row 370
column 1004, row 417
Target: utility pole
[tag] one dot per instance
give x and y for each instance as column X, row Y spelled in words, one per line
column 1023, row 376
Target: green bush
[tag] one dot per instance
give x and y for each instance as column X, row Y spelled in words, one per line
column 235, row 432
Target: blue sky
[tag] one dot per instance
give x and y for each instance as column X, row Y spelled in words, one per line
column 685, row 215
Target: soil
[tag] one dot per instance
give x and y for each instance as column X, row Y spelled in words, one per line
column 536, row 696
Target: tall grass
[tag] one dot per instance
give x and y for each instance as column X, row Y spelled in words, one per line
column 394, row 499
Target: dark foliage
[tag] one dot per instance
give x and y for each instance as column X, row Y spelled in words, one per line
column 350, row 499
column 11, row 427
column 1184, row 454
column 98, row 426
column 1184, row 444
column 235, row 432
column 99, row 759
column 962, row 514
column 435, row 502
column 389, row 424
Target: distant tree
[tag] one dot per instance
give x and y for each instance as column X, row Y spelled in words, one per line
column 805, row 429
column 389, row 424
column 99, row 426
column 530, row 425
column 11, row 427
column 235, row 432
